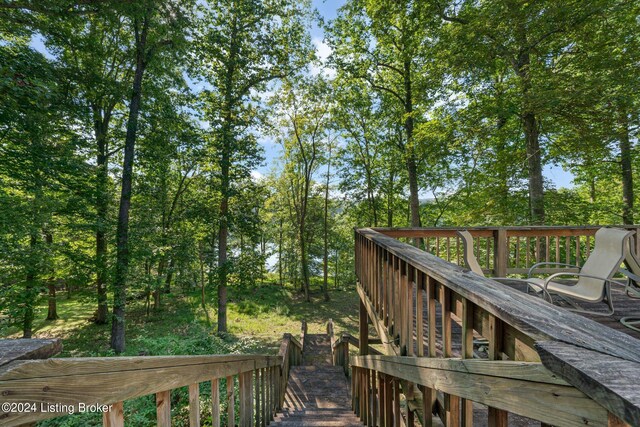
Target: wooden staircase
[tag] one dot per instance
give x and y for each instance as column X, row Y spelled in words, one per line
column 318, row 393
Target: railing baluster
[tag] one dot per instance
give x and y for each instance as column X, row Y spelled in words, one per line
column 578, row 251
column 547, row 256
column 231, row 402
column 374, row 399
column 557, row 249
column 163, row 408
column 263, row 397
column 257, row 395
column 215, row 402
column 420, row 314
column 488, row 254
column 496, row 417
column 114, row 417
column 194, row 405
column 396, row 402
column 467, row 353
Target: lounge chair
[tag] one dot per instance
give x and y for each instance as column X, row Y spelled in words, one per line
column 471, row 261
column 468, row 255
column 633, row 283
column 594, row 279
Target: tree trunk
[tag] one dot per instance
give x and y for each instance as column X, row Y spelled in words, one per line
column 52, row 312
column 626, row 169
column 101, row 125
column 534, row 163
column 122, row 235
column 412, row 164
column 325, row 261
column 390, row 200
column 530, row 124
column 31, row 290
column 280, row 266
column 169, row 277
column 223, row 234
column 304, row 261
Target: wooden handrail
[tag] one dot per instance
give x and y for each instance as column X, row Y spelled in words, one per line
column 399, row 284
column 509, row 250
column 340, row 347
column 55, row 387
column 290, row 355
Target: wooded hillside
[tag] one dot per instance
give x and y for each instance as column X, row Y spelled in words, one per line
column 132, row 135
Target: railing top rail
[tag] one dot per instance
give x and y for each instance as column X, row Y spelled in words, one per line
column 59, row 367
column 507, row 227
column 532, row 316
column 107, row 380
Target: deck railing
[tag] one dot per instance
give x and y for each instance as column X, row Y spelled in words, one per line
column 508, row 250
column 34, row 390
column 438, row 321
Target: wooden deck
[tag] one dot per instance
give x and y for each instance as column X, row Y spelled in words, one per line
column 624, row 306
column 436, row 319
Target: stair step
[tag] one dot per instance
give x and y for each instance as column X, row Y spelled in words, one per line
column 317, row 394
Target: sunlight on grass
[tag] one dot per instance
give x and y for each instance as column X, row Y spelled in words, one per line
column 257, row 319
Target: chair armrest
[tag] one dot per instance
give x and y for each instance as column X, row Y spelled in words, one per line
column 534, row 266
column 630, row 275
column 568, row 273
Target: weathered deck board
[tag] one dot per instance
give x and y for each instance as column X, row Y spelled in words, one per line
column 22, row 349
column 603, row 378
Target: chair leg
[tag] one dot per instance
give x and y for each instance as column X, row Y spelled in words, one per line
column 631, row 322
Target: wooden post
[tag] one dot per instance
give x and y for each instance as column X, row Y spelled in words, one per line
column 194, row 405
column 114, row 417
column 419, row 314
column 501, row 252
column 427, row 407
column 497, row 417
column 364, row 330
column 163, row 408
column 467, row 353
column 263, row 398
column 257, row 396
column 231, row 402
column 246, row 399
column 215, row 403
column 396, row 402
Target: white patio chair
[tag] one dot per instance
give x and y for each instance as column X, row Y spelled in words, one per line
column 594, row 279
column 633, row 283
column 471, row 261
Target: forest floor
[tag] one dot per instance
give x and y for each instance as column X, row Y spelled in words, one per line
column 257, row 319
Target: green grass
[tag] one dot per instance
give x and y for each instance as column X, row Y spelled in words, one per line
column 257, row 319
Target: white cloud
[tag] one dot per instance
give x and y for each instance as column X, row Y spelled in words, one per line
column 257, row 176
column 323, row 51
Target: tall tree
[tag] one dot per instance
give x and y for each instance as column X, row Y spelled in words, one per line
column 382, row 43
column 244, row 45
column 156, row 25
column 528, row 35
column 306, row 113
